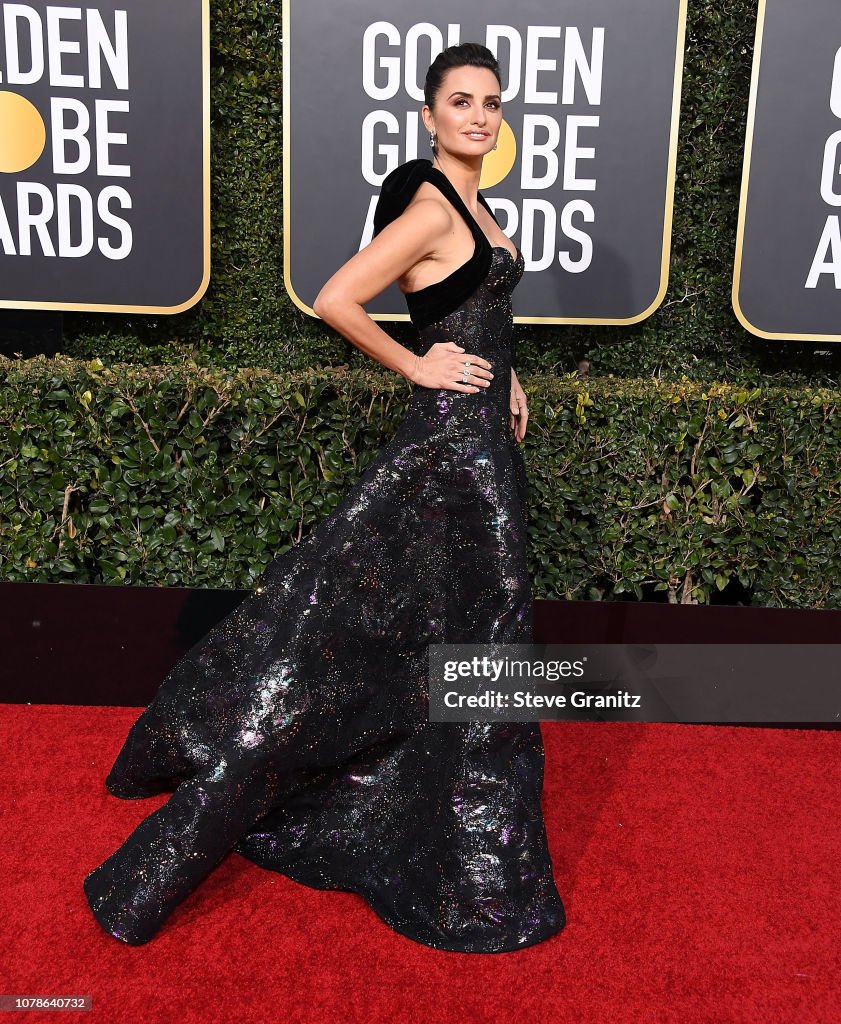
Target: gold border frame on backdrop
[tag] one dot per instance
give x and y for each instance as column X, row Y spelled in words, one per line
column 667, row 220
column 205, row 281
column 743, row 201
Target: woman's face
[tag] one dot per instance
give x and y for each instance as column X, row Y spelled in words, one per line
column 467, row 103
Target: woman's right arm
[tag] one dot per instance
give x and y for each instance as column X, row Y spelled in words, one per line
column 411, row 237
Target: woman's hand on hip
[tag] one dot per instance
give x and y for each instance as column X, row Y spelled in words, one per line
column 443, row 366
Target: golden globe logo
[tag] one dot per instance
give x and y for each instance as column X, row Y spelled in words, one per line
column 70, row 50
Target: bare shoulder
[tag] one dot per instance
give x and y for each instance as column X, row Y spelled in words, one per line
column 430, row 219
column 410, row 241
column 428, row 205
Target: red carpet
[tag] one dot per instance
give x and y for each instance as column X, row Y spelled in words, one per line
column 699, row 867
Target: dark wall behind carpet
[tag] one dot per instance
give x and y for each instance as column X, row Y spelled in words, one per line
column 246, row 318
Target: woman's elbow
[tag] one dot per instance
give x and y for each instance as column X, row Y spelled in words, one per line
column 322, row 301
column 332, row 306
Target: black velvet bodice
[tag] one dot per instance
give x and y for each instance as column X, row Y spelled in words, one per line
column 427, row 305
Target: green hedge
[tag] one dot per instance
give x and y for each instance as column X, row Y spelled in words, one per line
column 182, row 475
column 246, row 318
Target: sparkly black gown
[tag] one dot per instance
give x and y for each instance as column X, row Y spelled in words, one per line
column 296, row 731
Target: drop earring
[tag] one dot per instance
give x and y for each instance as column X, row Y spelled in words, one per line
column 432, row 139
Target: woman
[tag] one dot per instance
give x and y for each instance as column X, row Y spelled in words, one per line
column 297, row 731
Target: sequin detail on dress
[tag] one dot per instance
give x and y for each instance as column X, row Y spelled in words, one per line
column 296, row 731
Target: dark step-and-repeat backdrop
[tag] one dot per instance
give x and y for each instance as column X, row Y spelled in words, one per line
column 104, row 155
column 104, row 152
